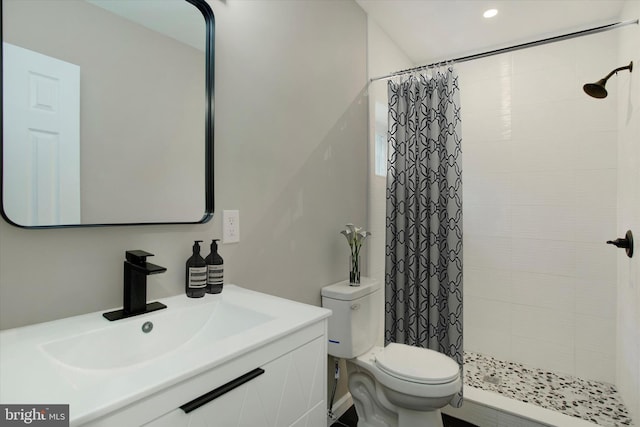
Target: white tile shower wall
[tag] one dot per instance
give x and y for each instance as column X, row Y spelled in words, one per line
column 540, row 194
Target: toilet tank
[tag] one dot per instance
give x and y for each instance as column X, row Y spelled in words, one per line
column 357, row 316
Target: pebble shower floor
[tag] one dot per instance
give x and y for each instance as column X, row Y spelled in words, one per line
column 593, row 401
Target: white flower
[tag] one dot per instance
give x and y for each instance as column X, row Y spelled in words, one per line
column 355, row 236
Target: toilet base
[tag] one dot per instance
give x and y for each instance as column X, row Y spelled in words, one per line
column 371, row 411
column 408, row 417
column 374, row 408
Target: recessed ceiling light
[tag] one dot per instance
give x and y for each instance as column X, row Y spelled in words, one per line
column 490, row 13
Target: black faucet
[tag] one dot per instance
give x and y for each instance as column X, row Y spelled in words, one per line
column 136, row 270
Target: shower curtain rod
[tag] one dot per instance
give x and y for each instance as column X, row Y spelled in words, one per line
column 512, row 48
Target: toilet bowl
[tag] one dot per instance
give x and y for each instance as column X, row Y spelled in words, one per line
column 396, row 385
column 410, row 385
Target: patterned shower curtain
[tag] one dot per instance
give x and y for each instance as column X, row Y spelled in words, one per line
column 423, row 271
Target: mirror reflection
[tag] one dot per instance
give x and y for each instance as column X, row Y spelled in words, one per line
column 104, row 112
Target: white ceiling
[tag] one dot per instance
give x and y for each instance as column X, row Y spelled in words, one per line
column 435, row 30
column 174, row 18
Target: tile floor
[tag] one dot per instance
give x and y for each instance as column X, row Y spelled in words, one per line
column 350, row 419
column 590, row 400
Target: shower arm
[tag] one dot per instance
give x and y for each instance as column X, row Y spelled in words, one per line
column 626, row 67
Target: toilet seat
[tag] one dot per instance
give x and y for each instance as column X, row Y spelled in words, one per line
column 418, row 365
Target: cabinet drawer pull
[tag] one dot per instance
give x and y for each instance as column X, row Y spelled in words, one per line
column 225, row 388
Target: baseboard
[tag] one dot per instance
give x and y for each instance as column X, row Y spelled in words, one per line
column 340, row 407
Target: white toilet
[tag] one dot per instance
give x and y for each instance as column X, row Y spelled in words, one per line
column 396, row 385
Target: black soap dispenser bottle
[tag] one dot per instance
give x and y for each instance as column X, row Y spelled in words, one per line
column 215, row 269
column 196, row 273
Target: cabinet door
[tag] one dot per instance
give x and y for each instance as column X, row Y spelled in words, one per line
column 290, row 392
column 316, row 417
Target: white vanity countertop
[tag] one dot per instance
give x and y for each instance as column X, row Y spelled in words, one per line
column 96, row 367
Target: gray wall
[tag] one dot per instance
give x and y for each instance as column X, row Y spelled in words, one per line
column 290, row 154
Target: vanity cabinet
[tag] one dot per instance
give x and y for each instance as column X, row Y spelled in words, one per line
column 286, row 386
column 285, row 392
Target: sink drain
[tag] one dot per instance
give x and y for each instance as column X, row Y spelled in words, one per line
column 147, row 327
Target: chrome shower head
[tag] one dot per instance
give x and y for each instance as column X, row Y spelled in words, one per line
column 597, row 89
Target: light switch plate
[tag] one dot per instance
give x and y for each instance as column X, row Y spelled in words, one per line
column 230, row 226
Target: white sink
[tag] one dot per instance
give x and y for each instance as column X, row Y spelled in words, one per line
column 98, row 367
column 123, row 343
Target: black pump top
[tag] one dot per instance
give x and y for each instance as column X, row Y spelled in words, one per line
column 196, row 246
column 214, row 245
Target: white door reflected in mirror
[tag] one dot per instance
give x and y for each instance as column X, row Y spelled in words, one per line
column 41, row 158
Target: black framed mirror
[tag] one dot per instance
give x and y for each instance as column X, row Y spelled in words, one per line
column 107, row 113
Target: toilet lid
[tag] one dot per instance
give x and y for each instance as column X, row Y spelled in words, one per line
column 417, row 364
